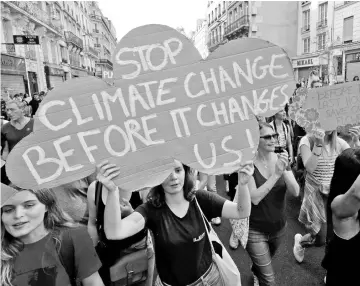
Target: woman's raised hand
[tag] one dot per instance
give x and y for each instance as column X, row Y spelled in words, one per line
column 245, row 172
column 106, row 172
column 319, row 136
column 282, row 163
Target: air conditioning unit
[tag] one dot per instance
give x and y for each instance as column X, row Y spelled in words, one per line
column 253, row 11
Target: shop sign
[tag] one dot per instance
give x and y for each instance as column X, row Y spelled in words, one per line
column 306, row 62
column 54, row 71
column 12, row 63
column 26, row 40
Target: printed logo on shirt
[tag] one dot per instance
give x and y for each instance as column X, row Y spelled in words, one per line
column 199, row 238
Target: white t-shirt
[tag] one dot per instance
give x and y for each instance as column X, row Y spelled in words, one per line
column 326, row 161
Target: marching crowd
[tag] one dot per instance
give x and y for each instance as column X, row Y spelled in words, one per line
column 91, row 232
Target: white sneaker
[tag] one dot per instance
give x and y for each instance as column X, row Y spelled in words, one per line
column 233, row 242
column 298, row 250
column 216, row 221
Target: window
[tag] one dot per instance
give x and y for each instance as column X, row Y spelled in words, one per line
column 246, row 8
column 219, row 10
column 209, row 19
column 306, row 42
column 230, row 17
column 223, row 6
column 6, row 32
column 235, row 14
column 44, row 49
column 53, row 52
column 348, row 30
column 306, row 20
column 323, row 13
column 212, row 16
column 321, row 41
column 216, row 13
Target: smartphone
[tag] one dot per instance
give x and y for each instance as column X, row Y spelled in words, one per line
column 279, row 149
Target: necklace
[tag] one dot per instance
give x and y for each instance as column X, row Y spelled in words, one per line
column 263, row 162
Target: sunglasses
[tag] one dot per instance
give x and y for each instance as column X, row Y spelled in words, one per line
column 269, row 137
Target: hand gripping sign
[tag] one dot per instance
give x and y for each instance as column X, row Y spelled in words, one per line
column 328, row 108
column 164, row 103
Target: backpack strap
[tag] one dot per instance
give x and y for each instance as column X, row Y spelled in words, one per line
column 66, row 255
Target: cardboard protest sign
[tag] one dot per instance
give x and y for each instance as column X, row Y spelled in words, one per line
column 163, row 102
column 328, row 108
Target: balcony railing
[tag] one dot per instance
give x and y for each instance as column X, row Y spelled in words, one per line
column 322, row 23
column 106, row 50
column 39, row 14
column 305, row 29
column 92, row 51
column 97, row 46
column 10, row 49
column 105, row 61
column 243, row 21
column 95, row 17
column 73, row 39
column 303, row 3
column 215, row 42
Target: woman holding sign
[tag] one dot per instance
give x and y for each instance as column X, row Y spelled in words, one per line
column 182, row 248
column 272, row 178
column 318, row 152
column 40, row 245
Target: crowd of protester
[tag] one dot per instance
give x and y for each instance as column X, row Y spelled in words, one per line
column 89, row 231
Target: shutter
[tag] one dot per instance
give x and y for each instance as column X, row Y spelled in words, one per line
column 348, row 29
column 352, row 69
column 55, row 80
column 15, row 83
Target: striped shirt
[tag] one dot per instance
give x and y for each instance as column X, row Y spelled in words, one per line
column 326, row 161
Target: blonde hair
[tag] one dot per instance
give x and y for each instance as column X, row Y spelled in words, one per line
column 54, row 220
column 20, row 104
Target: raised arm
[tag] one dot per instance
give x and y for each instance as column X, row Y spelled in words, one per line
column 310, row 157
column 348, row 204
column 291, row 183
column 242, row 208
column 115, row 227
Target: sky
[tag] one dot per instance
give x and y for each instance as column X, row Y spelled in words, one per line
column 129, row 14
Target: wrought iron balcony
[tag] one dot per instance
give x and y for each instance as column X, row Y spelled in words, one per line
column 322, row 23
column 73, row 39
column 106, row 50
column 33, row 10
column 96, row 17
column 97, row 46
column 91, row 51
column 215, row 42
column 105, row 61
column 239, row 23
column 305, row 29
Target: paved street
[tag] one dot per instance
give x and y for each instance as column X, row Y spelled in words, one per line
column 288, row 271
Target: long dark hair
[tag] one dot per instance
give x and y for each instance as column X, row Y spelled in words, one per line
column 54, row 220
column 156, row 196
column 347, row 169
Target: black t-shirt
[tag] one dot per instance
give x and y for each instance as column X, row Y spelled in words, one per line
column 13, row 136
column 269, row 215
column 39, row 263
column 182, row 249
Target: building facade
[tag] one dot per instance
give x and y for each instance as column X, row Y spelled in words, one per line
column 66, row 50
column 104, row 35
column 200, row 37
column 259, row 19
column 315, row 25
column 345, row 50
column 216, row 20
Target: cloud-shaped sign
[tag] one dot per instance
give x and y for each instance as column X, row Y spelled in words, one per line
column 164, row 103
column 328, row 108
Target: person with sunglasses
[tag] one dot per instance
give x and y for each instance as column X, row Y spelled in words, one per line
column 272, row 177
